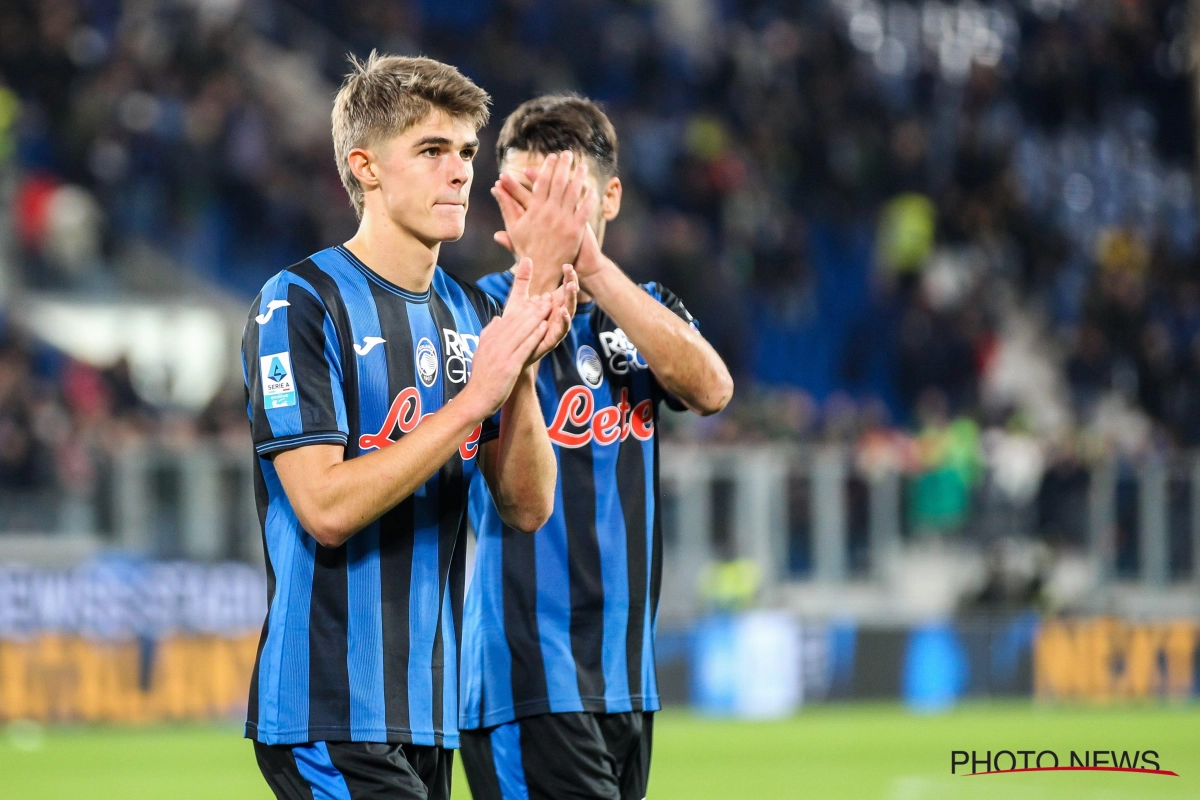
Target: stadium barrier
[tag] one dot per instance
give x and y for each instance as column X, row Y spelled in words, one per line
column 1105, row 659
column 128, row 642
column 54, row 678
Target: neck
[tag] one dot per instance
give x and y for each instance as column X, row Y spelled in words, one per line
column 393, row 252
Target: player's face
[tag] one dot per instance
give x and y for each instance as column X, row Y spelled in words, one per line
column 425, row 177
column 517, row 161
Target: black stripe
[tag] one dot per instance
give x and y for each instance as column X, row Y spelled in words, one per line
column 479, row 762
column 278, row 766
column 260, row 426
column 306, row 342
column 396, row 526
column 328, row 632
column 452, row 508
column 261, row 500
column 631, row 489
column 484, row 304
column 335, row 306
column 519, row 579
column 583, row 553
column 656, row 553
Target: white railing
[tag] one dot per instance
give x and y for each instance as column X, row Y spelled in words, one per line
column 803, row 514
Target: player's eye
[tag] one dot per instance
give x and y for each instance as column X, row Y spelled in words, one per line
column 432, row 151
column 468, row 154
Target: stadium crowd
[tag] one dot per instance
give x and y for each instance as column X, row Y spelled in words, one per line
column 957, row 235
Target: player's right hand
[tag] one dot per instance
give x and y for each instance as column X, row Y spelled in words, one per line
column 507, row 344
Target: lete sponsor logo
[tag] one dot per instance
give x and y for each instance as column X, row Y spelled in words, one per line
column 578, row 422
column 405, row 415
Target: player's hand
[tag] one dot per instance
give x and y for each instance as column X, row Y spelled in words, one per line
column 591, row 261
column 507, row 344
column 546, row 222
column 562, row 301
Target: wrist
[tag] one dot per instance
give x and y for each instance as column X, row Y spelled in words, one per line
column 468, row 407
column 596, row 281
column 527, row 378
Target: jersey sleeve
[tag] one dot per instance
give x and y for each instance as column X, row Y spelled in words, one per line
column 292, row 365
column 490, row 310
column 671, row 300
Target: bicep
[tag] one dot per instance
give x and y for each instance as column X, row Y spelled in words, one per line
column 303, row 470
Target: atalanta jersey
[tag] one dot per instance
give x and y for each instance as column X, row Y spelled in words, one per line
column 361, row 641
column 564, row 619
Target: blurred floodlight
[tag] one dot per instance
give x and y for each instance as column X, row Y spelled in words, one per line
column 1078, row 193
column 866, row 30
column 892, row 57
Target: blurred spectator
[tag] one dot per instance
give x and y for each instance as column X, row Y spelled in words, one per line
column 899, row 222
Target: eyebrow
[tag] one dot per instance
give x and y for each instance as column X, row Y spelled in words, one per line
column 443, row 141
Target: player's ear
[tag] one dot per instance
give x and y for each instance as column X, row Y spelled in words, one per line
column 610, row 203
column 363, row 167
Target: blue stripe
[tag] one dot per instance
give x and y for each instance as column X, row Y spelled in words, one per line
column 283, row 670
column 614, row 565
column 423, row 600
column 554, row 608
column 316, row 767
column 486, row 657
column 272, row 339
column 506, row 756
column 364, row 645
column 449, row 721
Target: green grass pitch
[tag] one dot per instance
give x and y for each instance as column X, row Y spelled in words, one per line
column 830, row 752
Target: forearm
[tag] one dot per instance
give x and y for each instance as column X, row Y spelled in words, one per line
column 334, row 499
column 523, row 470
column 682, row 360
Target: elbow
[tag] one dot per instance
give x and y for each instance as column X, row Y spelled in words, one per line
column 718, row 396
column 529, row 517
column 529, row 513
column 328, row 528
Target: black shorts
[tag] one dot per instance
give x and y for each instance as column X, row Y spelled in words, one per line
column 574, row 756
column 356, row 771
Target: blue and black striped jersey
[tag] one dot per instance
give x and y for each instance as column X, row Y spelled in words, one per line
column 361, row 641
column 563, row 620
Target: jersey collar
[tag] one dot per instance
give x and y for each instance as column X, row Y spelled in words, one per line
column 384, row 283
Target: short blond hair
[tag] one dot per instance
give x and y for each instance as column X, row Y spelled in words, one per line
column 385, row 95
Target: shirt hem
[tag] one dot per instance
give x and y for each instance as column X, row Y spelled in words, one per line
column 292, row 736
column 591, row 704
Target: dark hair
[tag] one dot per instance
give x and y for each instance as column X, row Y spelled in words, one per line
column 554, row 123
